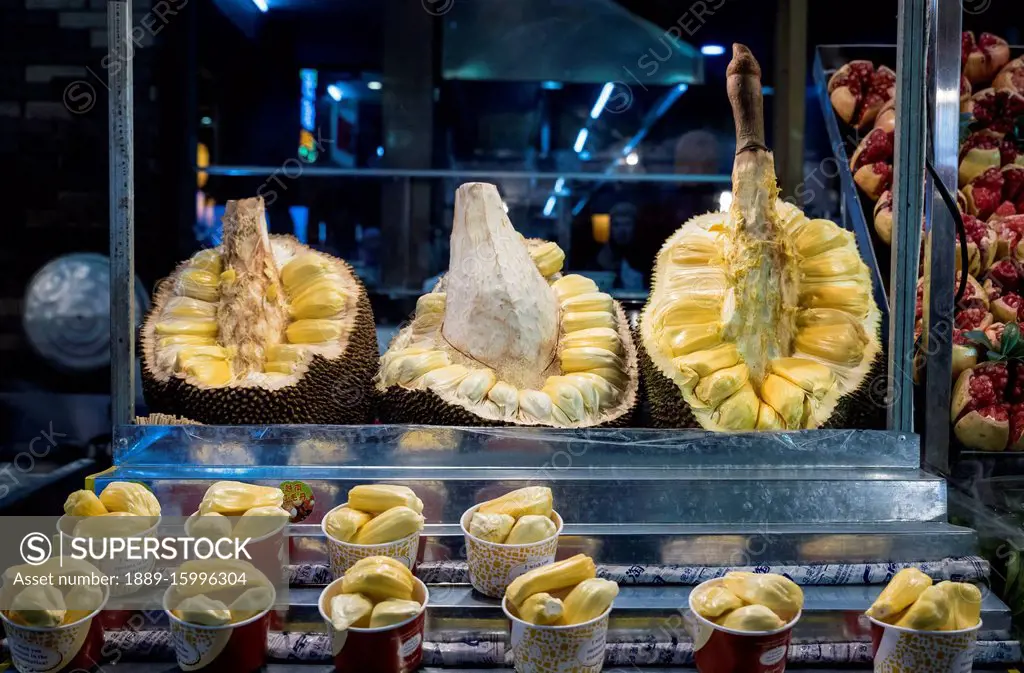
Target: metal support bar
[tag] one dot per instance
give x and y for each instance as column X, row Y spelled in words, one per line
column 908, row 201
column 122, row 212
column 791, row 91
column 940, row 246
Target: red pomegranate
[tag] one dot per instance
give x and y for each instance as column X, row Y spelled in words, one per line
column 1011, row 76
column 858, row 91
column 982, row 59
column 872, row 163
column 997, row 110
column 987, row 410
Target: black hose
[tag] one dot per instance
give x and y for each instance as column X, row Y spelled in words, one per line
column 961, row 231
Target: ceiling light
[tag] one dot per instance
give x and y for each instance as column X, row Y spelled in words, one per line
column 581, row 140
column 334, row 92
column 374, row 85
column 712, row 50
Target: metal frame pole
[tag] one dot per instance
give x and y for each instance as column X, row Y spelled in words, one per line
column 120, row 113
column 908, row 210
column 940, row 246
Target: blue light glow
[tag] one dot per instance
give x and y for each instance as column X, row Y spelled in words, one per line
column 374, row 85
column 682, row 88
column 300, row 222
column 551, row 85
column 334, row 92
column 602, row 100
column 549, row 207
column 712, row 50
column 559, row 185
column 380, row 150
column 261, row 5
column 581, row 140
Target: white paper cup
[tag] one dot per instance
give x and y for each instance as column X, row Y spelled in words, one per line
column 69, row 647
column 899, row 649
column 493, row 566
column 239, row 648
column 263, row 549
column 397, row 648
column 344, row 555
column 567, row 649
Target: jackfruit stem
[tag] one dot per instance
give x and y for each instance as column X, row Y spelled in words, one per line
column 743, row 81
column 499, row 309
column 252, row 315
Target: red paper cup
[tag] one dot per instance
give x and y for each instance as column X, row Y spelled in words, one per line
column 70, row 647
column 898, row 649
column 118, row 566
column 720, row 650
column 578, row 648
column 240, row 648
column 389, row 649
column 493, row 566
column 343, row 555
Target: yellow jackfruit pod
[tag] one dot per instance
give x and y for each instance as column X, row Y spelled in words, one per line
column 930, row 612
column 81, row 601
column 595, row 337
column 779, row 594
column 786, row 398
column 194, row 327
column 549, row 578
column 392, row 525
column 126, row 496
column 541, row 609
column 506, row 397
column 840, row 263
column 588, row 359
column 689, row 338
column 852, row 296
column 590, row 599
column 590, row 301
column 572, row 285
column 251, row 603
column 41, row 606
column 696, row 250
column 230, row 276
column 965, row 605
column 709, row 361
column 835, row 343
column 378, row 582
column 197, row 353
column 445, row 379
column 520, row 502
column 491, row 527
column 768, row 418
column 432, row 302
column 813, row 377
column 212, row 526
column 313, row 331
column 206, row 260
column 278, row 367
column 235, row 497
column 740, row 411
column 814, row 237
column 185, row 340
column 203, row 610
column 714, row 601
column 342, row 524
column 378, row 498
column 581, row 320
column 318, row 302
column 753, row 618
column 286, row 353
column 535, row 406
column 302, row 270
column 717, row 386
column 566, row 397
column 374, row 561
column 406, row 369
column 84, row 503
column 476, row 385
column 348, row 610
column 189, row 309
column 209, row 373
column 391, row 612
column 903, row 589
column 199, row 284
column 260, row 521
column 548, row 257
column 531, row 528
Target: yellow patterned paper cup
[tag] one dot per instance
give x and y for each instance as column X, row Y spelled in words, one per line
column 558, row 649
column 493, row 566
column 344, row 555
column 240, row 647
column 900, row 650
column 66, row 648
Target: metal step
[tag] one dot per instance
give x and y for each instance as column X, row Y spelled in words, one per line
column 612, row 495
column 135, row 667
column 711, row 544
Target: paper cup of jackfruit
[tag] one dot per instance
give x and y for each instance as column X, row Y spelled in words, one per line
column 924, row 627
column 559, row 615
column 508, row 536
column 53, row 627
column 377, row 520
column 122, row 509
column 743, row 622
column 219, row 615
column 375, row 614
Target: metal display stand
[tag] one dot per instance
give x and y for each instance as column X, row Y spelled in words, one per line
column 659, row 511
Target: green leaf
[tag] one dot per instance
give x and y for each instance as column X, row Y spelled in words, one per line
column 1011, row 338
column 1012, row 569
column 979, row 337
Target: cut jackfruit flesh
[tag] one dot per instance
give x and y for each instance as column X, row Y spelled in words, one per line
column 507, row 338
column 765, row 287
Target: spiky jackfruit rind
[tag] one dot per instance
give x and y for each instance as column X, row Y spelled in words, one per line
column 336, row 391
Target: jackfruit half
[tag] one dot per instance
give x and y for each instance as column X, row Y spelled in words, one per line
column 260, row 330
column 759, row 318
column 505, row 339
